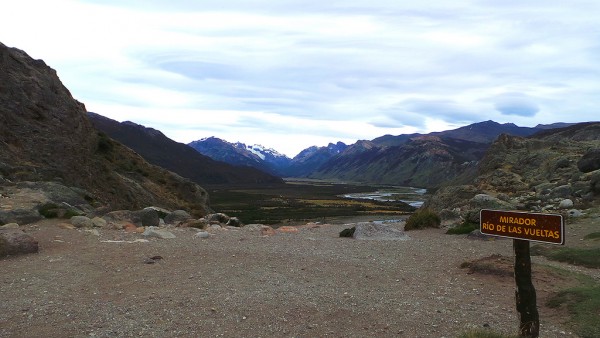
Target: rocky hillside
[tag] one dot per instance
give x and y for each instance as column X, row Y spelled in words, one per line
column 160, row 150
column 312, row 158
column 557, row 169
column 423, row 161
column 481, row 132
column 45, row 135
column 428, row 161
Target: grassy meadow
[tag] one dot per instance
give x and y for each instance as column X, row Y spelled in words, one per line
column 300, row 201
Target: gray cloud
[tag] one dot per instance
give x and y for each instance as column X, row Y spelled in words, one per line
column 516, row 104
column 383, row 63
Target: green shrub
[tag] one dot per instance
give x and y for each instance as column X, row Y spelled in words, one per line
column 70, row 213
column 583, row 303
column 593, row 235
column 49, row 210
column 347, row 232
column 423, row 218
column 575, row 256
column 105, row 144
column 463, row 228
column 482, row 334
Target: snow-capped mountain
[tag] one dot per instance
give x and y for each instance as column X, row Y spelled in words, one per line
column 267, row 159
column 238, row 153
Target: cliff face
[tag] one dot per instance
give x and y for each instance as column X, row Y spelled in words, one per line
column 45, row 136
column 514, row 164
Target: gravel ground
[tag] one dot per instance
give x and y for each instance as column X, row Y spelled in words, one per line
column 238, row 283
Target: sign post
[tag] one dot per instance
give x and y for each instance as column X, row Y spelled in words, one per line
column 523, row 228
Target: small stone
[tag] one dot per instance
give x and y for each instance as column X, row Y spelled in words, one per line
column 565, row 204
column 267, row 231
column 10, row 226
column 98, row 222
column 130, row 227
column 218, row 218
column 93, row 232
column 202, row 234
column 235, row 222
column 196, row 223
column 81, row 222
column 158, row 233
column 66, row 226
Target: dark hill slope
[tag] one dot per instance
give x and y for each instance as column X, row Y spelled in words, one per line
column 423, row 161
column 429, row 161
column 534, row 173
column 160, row 150
column 45, row 135
column 482, row 132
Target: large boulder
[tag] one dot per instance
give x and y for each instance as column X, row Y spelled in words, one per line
column 147, row 217
column 590, row 161
column 158, row 233
column 177, row 217
column 21, row 216
column 378, row 231
column 16, row 242
column 118, row 216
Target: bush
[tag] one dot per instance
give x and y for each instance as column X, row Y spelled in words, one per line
column 583, row 303
column 423, row 218
column 482, row 334
column 593, row 235
column 575, row 256
column 105, row 144
column 463, row 228
column 49, row 210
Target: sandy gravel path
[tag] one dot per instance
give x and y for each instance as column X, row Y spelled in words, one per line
column 240, row 284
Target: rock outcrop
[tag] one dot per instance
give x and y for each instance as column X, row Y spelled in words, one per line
column 551, row 170
column 45, row 136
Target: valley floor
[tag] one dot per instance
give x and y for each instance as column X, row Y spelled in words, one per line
column 238, row 283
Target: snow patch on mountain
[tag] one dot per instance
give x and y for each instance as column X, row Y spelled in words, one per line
column 257, row 150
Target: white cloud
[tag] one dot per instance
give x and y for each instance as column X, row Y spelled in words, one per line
column 313, row 72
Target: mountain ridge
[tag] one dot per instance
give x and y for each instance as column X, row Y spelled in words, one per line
column 160, row 150
column 457, row 150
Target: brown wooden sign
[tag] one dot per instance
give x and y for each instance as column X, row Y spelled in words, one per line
column 546, row 228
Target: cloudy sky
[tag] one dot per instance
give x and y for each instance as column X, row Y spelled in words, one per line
column 290, row 74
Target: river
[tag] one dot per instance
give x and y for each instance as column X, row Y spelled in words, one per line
column 412, row 196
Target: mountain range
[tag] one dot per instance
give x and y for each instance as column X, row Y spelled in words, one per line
column 424, row 160
column 420, row 160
